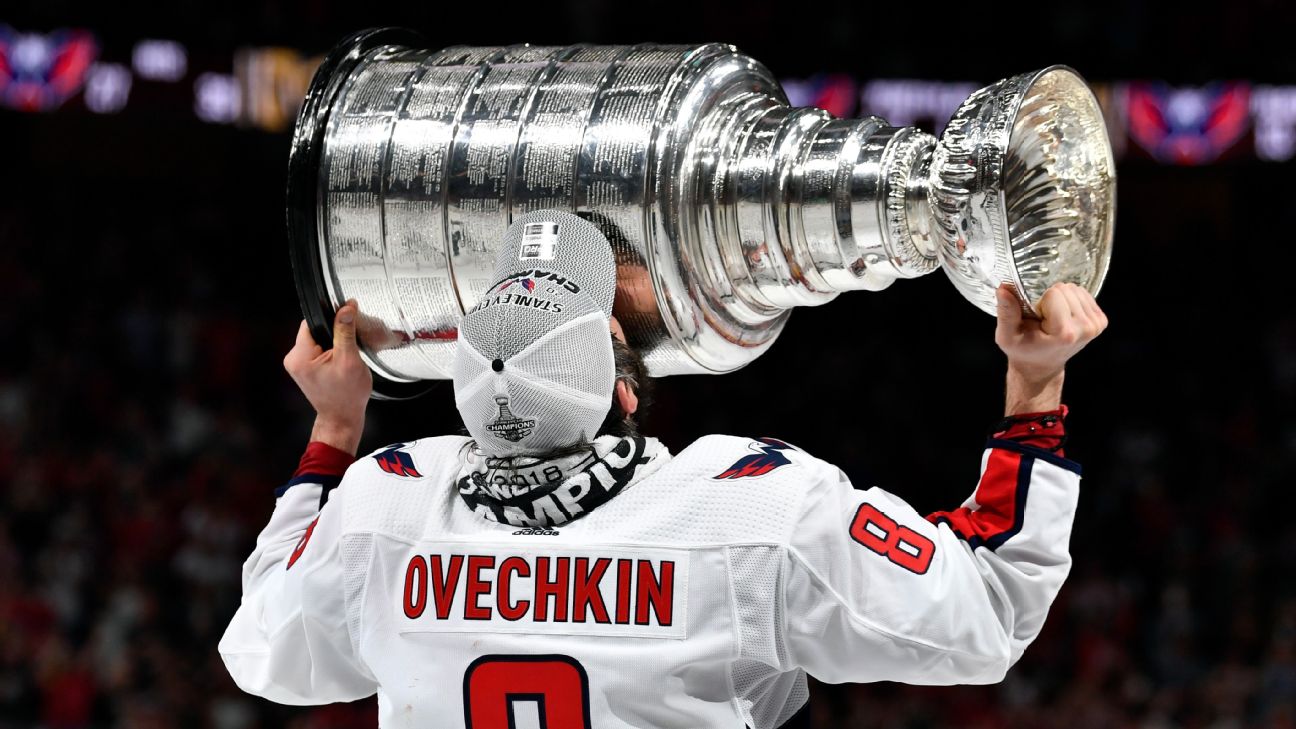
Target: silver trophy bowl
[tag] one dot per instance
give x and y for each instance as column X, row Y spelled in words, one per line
column 725, row 206
column 1023, row 189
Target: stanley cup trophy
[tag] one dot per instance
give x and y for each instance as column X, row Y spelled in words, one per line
column 726, row 207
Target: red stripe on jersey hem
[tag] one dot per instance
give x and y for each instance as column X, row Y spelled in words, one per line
column 323, row 459
column 1000, row 500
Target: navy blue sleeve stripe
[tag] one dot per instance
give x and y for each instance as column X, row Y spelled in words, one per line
column 1034, row 452
column 328, row 482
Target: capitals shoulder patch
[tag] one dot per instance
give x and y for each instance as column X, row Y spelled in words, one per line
column 769, row 456
column 397, row 462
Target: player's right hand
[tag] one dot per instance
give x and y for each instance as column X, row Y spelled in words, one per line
column 335, row 381
column 1039, row 348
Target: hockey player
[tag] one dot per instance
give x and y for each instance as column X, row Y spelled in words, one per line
column 556, row 569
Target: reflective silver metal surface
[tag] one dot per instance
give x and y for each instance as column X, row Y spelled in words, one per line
column 1024, row 188
column 726, row 206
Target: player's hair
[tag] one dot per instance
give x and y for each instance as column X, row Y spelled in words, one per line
column 631, row 370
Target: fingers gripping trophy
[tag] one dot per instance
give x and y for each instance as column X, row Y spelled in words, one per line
column 725, row 206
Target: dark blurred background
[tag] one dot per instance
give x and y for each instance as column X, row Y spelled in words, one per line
column 146, row 301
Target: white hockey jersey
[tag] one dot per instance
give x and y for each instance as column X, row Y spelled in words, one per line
column 700, row 596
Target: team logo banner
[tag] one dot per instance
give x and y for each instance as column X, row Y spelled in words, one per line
column 40, row 72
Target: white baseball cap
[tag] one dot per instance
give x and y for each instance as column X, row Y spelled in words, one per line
column 534, row 369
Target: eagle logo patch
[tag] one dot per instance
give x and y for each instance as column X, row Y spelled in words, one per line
column 768, row 457
column 397, row 462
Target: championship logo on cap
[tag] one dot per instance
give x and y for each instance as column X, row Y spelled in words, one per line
column 508, row 426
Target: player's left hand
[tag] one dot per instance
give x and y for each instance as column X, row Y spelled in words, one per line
column 1038, row 349
column 336, row 381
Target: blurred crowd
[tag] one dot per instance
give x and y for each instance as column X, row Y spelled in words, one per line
column 144, row 424
column 1104, row 38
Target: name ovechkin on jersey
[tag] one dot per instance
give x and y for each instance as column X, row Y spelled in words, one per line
column 506, row 586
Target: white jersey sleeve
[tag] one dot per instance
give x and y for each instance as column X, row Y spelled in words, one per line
column 290, row 640
column 876, row 592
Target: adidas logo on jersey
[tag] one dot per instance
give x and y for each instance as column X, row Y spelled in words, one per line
column 536, row 532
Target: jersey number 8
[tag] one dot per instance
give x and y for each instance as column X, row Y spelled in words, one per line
column 900, row 544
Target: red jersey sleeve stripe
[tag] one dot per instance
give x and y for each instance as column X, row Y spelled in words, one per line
column 301, row 544
column 321, row 464
column 1000, row 502
column 1056, row 459
column 322, row 459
